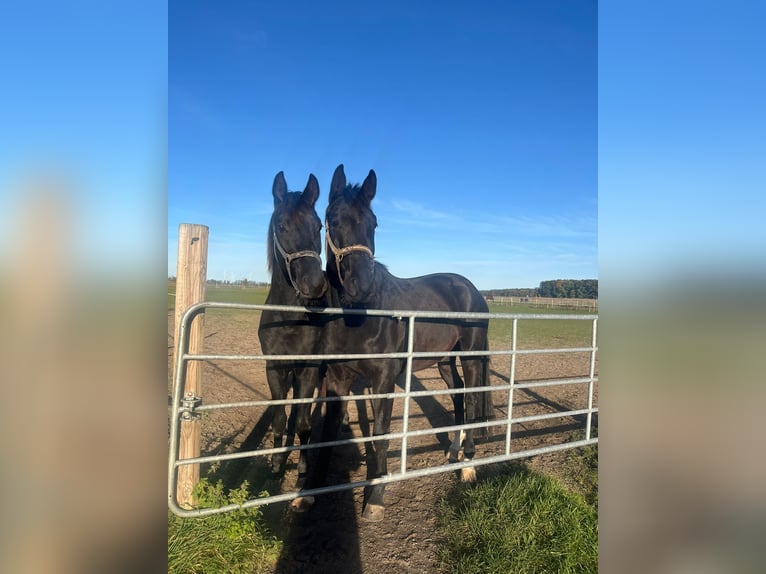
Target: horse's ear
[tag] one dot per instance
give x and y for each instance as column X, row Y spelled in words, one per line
column 311, row 193
column 369, row 186
column 279, row 189
column 338, row 183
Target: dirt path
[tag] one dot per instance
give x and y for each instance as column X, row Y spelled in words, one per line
column 332, row 537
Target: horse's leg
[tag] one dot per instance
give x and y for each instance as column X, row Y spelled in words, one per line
column 448, row 372
column 278, row 379
column 473, row 371
column 374, row 510
column 306, row 380
column 337, row 383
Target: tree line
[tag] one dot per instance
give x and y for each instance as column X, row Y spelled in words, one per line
column 556, row 288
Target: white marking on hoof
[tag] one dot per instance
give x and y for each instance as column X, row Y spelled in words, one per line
column 468, row 474
column 374, row 512
column 302, row 503
column 462, row 436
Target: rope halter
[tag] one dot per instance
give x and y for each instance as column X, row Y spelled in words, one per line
column 340, row 252
column 290, row 257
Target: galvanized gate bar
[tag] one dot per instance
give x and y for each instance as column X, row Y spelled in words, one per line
column 417, row 473
column 182, row 357
column 395, row 395
column 399, row 355
column 391, row 436
column 590, row 383
column 396, row 314
column 512, row 379
column 407, row 387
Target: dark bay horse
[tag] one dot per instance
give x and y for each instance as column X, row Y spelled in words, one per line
column 297, row 278
column 358, row 281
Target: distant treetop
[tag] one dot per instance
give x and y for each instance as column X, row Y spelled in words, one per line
column 557, row 288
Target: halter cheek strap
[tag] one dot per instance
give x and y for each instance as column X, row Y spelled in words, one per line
column 290, row 257
column 340, row 252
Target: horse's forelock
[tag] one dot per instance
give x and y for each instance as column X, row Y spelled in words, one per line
column 351, row 191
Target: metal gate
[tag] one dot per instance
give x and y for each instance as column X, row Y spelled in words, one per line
column 188, row 407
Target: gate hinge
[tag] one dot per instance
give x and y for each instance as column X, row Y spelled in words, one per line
column 188, row 405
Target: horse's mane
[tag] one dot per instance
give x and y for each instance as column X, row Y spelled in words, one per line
column 270, row 246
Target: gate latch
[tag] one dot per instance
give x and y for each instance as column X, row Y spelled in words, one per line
column 188, row 405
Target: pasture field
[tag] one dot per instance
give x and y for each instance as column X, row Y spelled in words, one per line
column 552, row 333
column 226, row 294
column 422, row 512
column 531, row 333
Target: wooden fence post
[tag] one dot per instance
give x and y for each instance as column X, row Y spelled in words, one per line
column 191, row 276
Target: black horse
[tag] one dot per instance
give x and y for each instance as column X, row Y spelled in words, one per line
column 358, row 281
column 297, row 278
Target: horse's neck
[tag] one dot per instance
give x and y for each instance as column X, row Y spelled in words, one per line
column 384, row 281
column 281, row 291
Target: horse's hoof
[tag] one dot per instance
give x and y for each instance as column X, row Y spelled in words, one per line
column 454, row 456
column 302, row 504
column 468, row 474
column 374, row 512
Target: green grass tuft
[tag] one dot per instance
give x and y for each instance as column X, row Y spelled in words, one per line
column 521, row 522
column 582, row 467
column 233, row 542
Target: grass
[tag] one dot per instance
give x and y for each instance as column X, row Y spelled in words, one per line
column 582, row 470
column 538, row 333
column 517, row 521
column 246, row 295
column 233, row 542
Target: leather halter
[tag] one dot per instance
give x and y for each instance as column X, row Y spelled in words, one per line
column 340, row 252
column 290, row 257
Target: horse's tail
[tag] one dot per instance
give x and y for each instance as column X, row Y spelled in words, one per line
column 485, row 408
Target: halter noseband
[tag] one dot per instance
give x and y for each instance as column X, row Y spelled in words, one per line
column 339, row 253
column 290, row 257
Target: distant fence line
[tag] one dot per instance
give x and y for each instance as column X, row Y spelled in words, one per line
column 547, row 302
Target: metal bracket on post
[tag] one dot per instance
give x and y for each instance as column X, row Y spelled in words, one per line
column 188, row 405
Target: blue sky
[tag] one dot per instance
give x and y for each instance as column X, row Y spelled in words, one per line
column 493, row 131
column 83, row 100
column 682, row 141
column 480, row 121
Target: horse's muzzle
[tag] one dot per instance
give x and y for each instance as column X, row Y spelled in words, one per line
column 312, row 287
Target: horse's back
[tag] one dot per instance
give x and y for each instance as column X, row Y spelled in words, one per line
column 437, row 292
column 441, row 292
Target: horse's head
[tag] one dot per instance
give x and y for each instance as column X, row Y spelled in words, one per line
column 350, row 233
column 295, row 238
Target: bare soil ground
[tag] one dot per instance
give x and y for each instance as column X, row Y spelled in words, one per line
column 332, row 537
